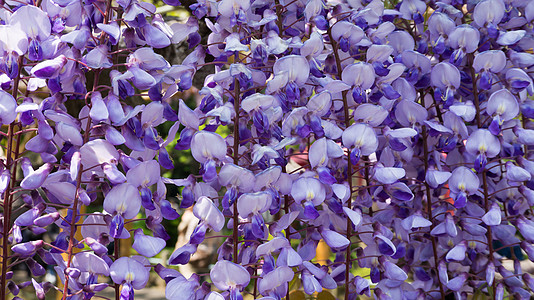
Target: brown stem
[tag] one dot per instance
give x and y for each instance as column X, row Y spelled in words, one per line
column 6, row 221
column 489, row 235
column 346, row 113
column 288, row 231
column 116, row 255
column 429, row 208
column 236, row 162
column 470, row 58
column 279, row 18
column 11, row 163
column 70, row 249
column 429, row 202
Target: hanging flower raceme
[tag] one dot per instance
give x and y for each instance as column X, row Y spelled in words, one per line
column 397, row 135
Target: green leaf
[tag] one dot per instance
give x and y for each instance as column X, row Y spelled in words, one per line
column 297, row 295
column 294, row 284
column 325, row 295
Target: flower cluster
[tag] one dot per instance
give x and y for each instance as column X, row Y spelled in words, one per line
column 397, row 132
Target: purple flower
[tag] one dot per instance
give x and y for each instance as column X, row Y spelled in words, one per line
column 88, row 262
column 228, row 276
column 291, row 71
column 274, row 282
column 207, row 145
column 488, row 12
column 124, row 202
column 483, row 144
column 129, row 273
column 210, row 217
column 50, row 68
column 36, row 178
column 361, row 139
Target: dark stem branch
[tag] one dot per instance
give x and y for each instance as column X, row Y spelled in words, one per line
column 236, row 162
column 429, row 202
column 11, row 163
column 349, row 166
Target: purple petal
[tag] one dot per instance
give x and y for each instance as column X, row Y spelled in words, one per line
column 464, row 37
column 181, row 288
column 123, row 199
column 206, row 210
column 309, row 189
column 355, row 216
column 482, row 141
column 253, row 203
column 99, row 111
column 88, row 262
column 445, row 75
column 334, row 239
column 394, row 272
column 457, row 282
column 409, row 113
column 388, row 175
column 49, row 68
column 98, row 58
column 280, row 276
column 360, row 136
column 116, row 226
column 46, row 220
column 28, row 217
column 147, row 245
column 493, row 216
column 296, row 66
column 457, row 253
column 97, row 152
column 113, row 174
column 239, row 177
column 463, row 179
column 182, row 255
column 39, row 291
column 226, row 275
column 488, row 12
column 206, row 145
column 129, row 270
column 8, row 108
column 144, row 174
column 28, row 248
column 359, row 74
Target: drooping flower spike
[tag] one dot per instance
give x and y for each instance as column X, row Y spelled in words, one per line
column 397, row 136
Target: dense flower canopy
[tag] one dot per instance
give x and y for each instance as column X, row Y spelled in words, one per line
column 397, row 132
